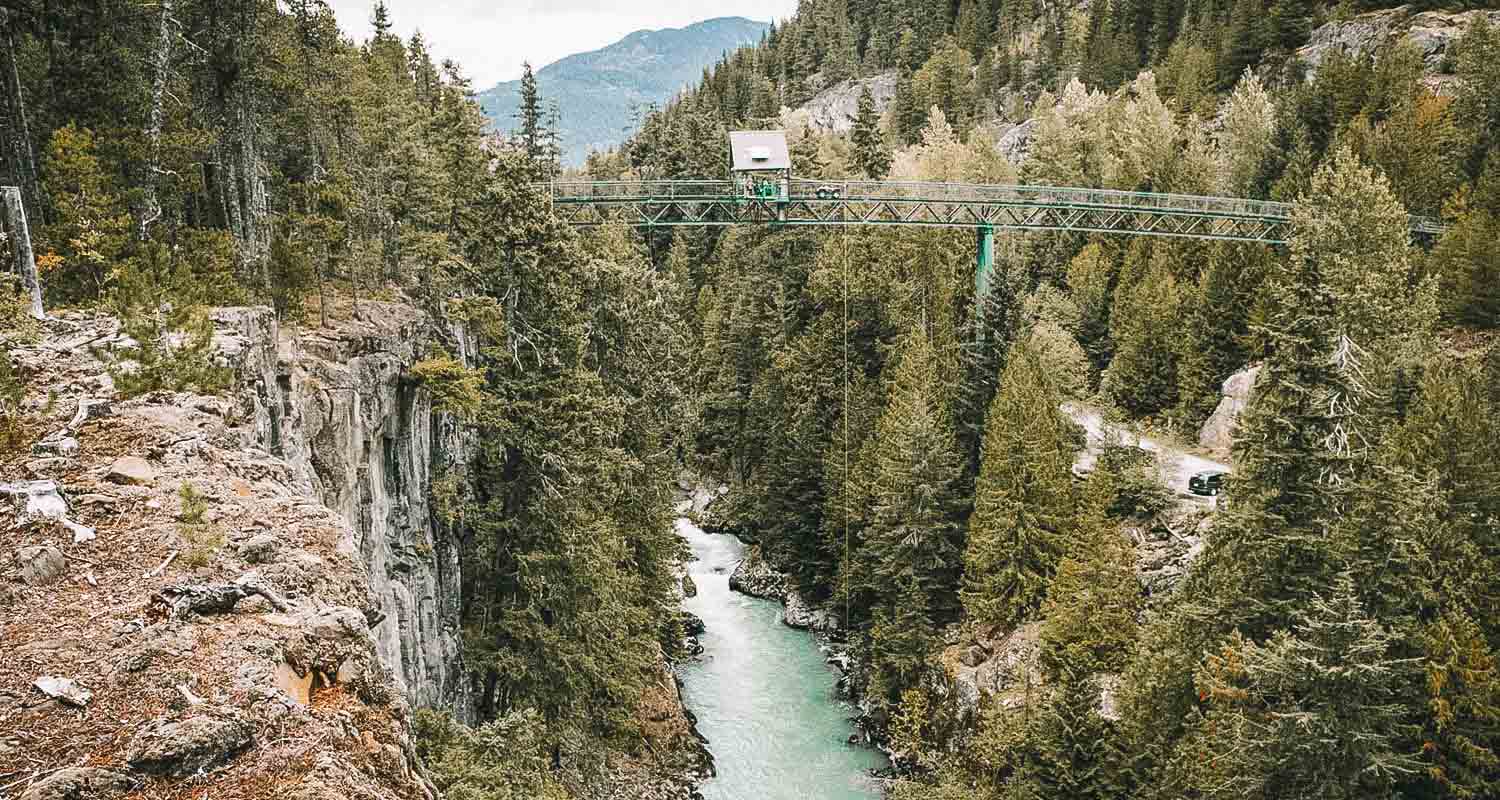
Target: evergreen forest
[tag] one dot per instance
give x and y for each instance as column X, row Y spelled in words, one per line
column 895, row 444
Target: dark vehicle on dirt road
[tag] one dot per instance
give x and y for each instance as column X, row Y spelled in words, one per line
column 1207, row 483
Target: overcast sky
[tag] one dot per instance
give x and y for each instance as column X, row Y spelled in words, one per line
column 490, row 38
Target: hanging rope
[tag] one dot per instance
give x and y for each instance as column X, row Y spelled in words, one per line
column 843, row 218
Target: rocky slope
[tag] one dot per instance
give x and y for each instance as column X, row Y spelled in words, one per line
column 173, row 564
column 1432, row 33
column 251, row 591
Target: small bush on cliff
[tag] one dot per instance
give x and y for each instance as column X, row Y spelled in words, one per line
column 455, row 388
column 159, row 303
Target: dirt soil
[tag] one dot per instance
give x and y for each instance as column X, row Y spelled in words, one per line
column 171, row 697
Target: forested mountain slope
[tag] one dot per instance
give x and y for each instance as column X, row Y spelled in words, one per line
column 459, row 405
column 896, row 445
column 599, row 95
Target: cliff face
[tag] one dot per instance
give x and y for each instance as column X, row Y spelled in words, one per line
column 249, row 589
column 361, row 438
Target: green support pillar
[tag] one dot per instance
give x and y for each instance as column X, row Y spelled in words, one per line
column 984, row 262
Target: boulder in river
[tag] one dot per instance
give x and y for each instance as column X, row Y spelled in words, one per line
column 801, row 614
column 753, row 576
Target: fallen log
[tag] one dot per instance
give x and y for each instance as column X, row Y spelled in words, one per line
column 178, row 601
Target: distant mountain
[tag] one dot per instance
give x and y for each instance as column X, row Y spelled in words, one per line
column 599, row 92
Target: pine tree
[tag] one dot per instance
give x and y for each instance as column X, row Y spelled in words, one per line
column 1073, row 753
column 870, row 154
column 914, row 538
column 1301, row 445
column 1089, row 617
column 1462, row 727
column 1314, row 712
column 531, row 118
column 1216, row 341
column 1352, row 223
column 901, row 638
column 1023, row 502
column 1146, row 328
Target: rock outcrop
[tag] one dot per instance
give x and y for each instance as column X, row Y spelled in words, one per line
column 337, row 406
column 1001, row 667
column 180, row 748
column 231, row 641
column 1217, row 433
column 1432, row 33
column 1014, row 141
column 834, row 108
column 79, row 783
column 755, row 577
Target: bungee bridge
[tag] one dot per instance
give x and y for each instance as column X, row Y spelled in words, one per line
column 952, row 205
column 984, row 208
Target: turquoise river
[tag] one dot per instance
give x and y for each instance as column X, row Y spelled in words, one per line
column 764, row 696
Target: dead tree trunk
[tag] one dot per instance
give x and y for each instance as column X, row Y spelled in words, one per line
column 20, row 236
column 161, row 59
column 15, row 131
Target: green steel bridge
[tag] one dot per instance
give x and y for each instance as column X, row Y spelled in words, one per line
column 982, row 207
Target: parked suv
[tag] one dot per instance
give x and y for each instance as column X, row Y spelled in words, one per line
column 1206, row 483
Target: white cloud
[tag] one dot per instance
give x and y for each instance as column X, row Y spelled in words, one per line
column 491, row 39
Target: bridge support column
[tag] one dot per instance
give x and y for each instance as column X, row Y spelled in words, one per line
column 984, row 266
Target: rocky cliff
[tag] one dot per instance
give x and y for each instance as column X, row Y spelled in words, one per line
column 243, row 590
column 250, row 590
column 337, row 406
column 1432, row 33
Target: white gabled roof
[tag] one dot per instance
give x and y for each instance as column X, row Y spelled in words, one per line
column 757, row 150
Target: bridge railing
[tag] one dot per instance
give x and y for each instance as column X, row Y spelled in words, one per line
column 921, row 191
column 912, row 191
column 802, row 189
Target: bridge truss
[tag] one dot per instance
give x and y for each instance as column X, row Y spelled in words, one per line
column 977, row 206
column 981, row 207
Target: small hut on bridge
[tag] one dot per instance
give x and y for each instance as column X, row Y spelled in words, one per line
column 762, row 164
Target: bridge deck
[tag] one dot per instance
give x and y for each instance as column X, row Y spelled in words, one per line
column 720, row 203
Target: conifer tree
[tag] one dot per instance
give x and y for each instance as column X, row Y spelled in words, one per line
column 1073, row 753
column 1023, row 501
column 1314, row 712
column 870, row 154
column 914, row 538
column 1094, row 601
column 1145, row 327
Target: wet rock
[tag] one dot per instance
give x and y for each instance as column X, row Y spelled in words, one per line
column 64, row 689
column 79, row 783
column 40, row 566
column 689, row 589
column 801, row 614
column 753, row 576
column 692, row 624
column 188, row 746
column 132, row 470
column 1217, row 433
